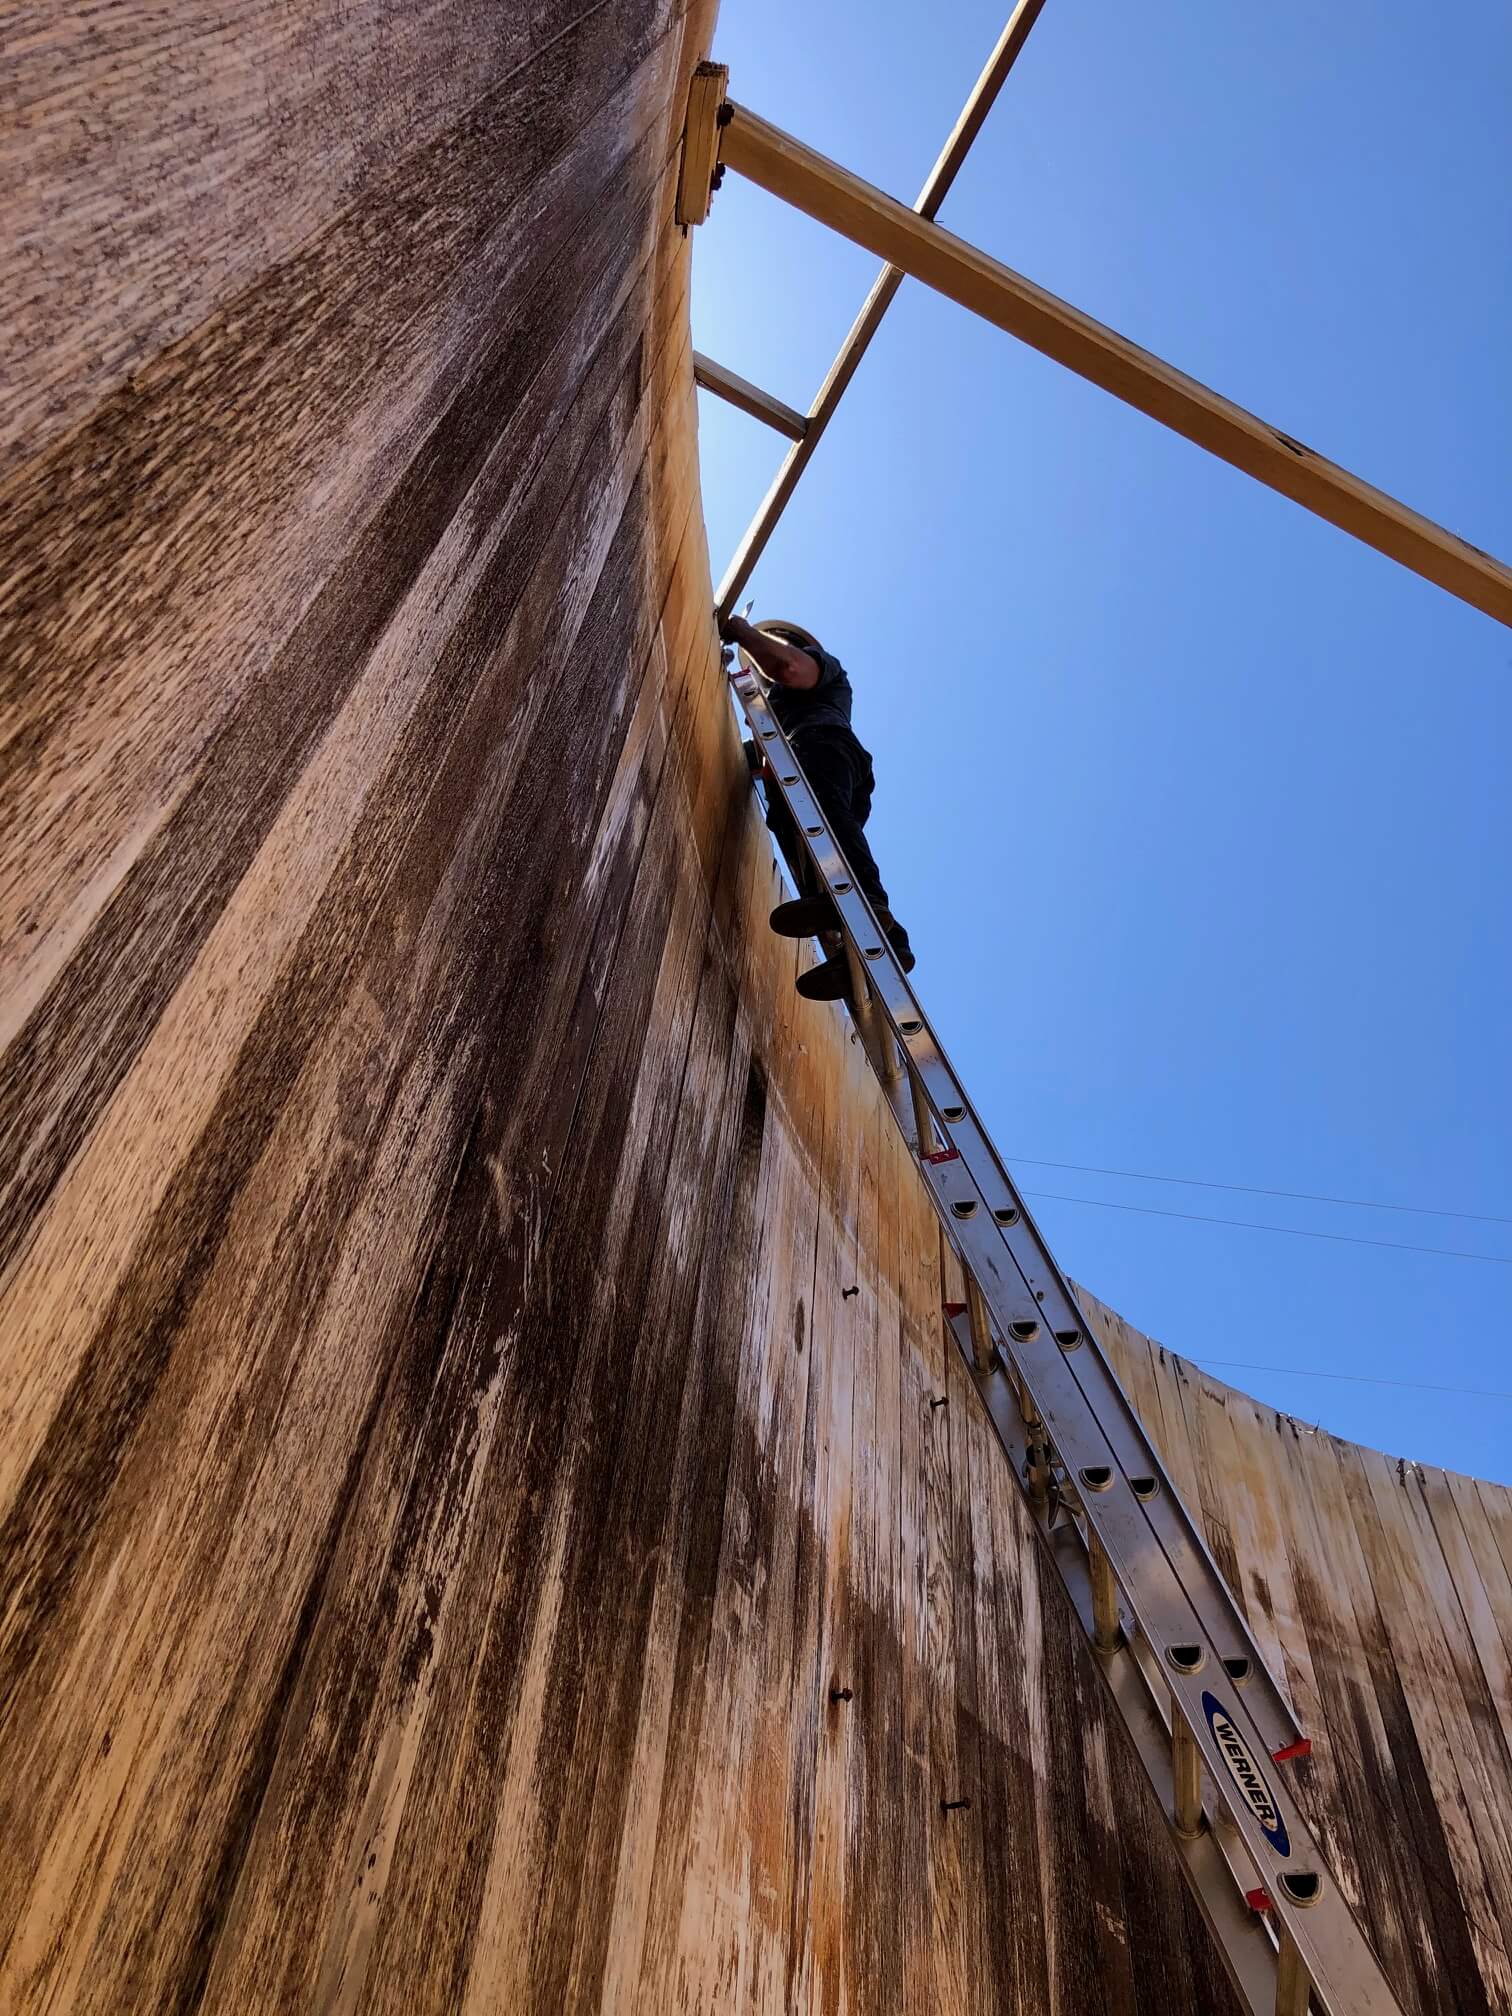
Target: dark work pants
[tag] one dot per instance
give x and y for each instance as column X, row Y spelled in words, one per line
column 839, row 772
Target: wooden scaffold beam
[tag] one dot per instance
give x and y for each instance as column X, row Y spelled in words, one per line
column 737, row 391
column 983, row 96
column 753, row 147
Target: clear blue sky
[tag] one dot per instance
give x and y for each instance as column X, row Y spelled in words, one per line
column 1197, row 811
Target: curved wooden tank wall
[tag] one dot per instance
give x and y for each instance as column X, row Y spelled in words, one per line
column 469, row 1331
column 1381, row 1591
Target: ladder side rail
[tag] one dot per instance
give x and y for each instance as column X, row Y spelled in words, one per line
column 1314, row 1912
column 1218, row 1870
column 1056, row 1305
column 1340, row 1962
column 1180, row 1534
column 1220, row 1873
column 828, row 859
column 1013, row 1302
column 1026, row 1303
column 878, row 300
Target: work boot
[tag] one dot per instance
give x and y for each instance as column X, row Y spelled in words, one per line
column 830, row 979
column 805, row 917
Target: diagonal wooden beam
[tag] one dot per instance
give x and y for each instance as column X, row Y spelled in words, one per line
column 729, row 385
column 832, row 195
column 878, row 301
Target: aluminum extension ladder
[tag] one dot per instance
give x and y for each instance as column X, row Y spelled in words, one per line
column 1212, row 1729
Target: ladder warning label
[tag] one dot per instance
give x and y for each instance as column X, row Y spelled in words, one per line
column 1246, row 1773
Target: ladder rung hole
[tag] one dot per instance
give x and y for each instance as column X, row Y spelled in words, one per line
column 964, row 1208
column 813, row 829
column 792, row 779
column 1186, row 1658
column 1144, row 1487
column 873, row 951
column 1302, row 1886
column 952, row 1112
column 841, row 888
column 911, row 1025
column 768, row 734
column 1068, row 1339
column 1024, row 1329
column 1238, row 1669
column 1006, row 1216
column 1097, row 1477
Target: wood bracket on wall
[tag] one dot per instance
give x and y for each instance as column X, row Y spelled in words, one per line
column 700, row 150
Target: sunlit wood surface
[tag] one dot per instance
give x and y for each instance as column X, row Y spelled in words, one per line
column 470, row 1337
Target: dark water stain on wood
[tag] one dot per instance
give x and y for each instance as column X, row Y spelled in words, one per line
column 476, row 1528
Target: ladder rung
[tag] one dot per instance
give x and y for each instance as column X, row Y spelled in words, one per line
column 861, row 1003
column 981, row 1327
column 924, row 1134
column 1186, row 1778
column 1107, row 1633
column 1292, row 1984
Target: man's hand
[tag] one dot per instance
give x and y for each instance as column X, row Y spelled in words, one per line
column 785, row 663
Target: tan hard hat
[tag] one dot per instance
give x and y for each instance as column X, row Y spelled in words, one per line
column 794, row 631
column 787, row 633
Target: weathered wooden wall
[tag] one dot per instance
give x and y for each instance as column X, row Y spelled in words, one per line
column 1381, row 1591
column 469, row 1331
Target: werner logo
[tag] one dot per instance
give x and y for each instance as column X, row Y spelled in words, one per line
column 1245, row 1773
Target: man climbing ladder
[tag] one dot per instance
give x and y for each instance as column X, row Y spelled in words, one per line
column 810, row 694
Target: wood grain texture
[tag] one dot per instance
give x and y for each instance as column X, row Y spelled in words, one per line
column 473, row 1385
column 1387, row 1625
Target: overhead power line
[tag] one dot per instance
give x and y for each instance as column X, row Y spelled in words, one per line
column 1254, row 1190
column 1354, row 1378
column 1285, row 1231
